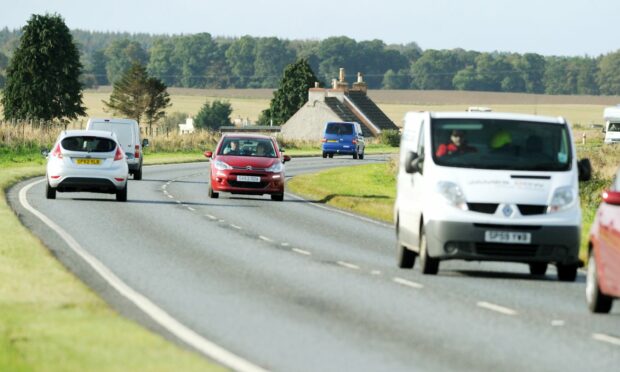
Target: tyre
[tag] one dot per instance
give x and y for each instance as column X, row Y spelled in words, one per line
column 137, row 175
column 324, row 154
column 213, row 194
column 538, row 268
column 330, row 155
column 567, row 273
column 355, row 155
column 598, row 302
column 277, row 197
column 50, row 192
column 121, row 195
column 428, row 265
column 405, row 257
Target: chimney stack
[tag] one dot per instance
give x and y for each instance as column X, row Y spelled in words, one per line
column 316, row 84
column 360, row 85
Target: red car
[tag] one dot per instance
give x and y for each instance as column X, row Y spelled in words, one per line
column 247, row 164
column 603, row 279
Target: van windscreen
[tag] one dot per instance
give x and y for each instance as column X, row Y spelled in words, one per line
column 501, row 144
column 339, row 128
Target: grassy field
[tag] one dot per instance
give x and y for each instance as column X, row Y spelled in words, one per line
column 50, row 321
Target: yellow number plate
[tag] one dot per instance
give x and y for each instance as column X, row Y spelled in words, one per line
column 88, row 161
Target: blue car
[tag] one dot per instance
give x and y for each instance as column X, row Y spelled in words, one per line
column 344, row 138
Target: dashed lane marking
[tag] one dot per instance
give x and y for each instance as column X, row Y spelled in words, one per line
column 496, row 308
column 408, row 283
column 265, row 239
column 606, row 338
column 301, row 251
column 557, row 323
column 348, row 265
column 191, row 209
column 210, row 216
column 235, row 226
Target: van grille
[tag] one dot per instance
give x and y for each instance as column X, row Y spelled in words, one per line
column 506, row 250
column 531, row 209
column 488, row 208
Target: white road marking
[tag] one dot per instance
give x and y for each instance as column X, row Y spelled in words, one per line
column 211, row 216
column 235, row 226
column 301, row 251
column 178, row 201
column 348, row 265
column 222, row 221
column 375, row 272
column 265, row 238
column 408, row 283
column 496, row 308
column 170, row 196
column 164, row 187
column 606, row 338
column 285, row 244
column 557, row 323
column 191, row 209
column 161, row 317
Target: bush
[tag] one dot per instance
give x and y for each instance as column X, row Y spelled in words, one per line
column 390, row 137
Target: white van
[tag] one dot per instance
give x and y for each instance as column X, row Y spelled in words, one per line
column 128, row 134
column 489, row 186
column 612, row 124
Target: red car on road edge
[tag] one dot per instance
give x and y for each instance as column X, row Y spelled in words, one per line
column 603, row 279
column 247, row 164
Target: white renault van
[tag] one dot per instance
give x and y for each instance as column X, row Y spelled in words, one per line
column 612, row 124
column 128, row 134
column 489, row 186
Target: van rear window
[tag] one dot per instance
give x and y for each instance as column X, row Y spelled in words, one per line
column 339, row 128
column 88, row 144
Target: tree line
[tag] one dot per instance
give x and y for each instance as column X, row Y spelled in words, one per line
column 204, row 61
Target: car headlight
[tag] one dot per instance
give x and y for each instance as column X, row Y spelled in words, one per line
column 563, row 198
column 276, row 168
column 220, row 165
column 453, row 194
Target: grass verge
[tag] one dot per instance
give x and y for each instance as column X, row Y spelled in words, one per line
column 50, row 321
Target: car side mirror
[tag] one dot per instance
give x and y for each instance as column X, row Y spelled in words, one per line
column 208, row 154
column 286, row 158
column 584, row 169
column 413, row 162
column 145, row 142
column 611, row 197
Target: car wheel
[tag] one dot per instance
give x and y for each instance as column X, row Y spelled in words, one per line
column 277, row 197
column 331, row 155
column 121, row 195
column 538, row 268
column 213, row 194
column 50, row 192
column 428, row 265
column 324, row 154
column 597, row 301
column 567, row 273
column 406, row 258
column 137, row 175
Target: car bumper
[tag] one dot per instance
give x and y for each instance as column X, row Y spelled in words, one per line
column 461, row 240
column 270, row 183
column 339, row 148
column 100, row 180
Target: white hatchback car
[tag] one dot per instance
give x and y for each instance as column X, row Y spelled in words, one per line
column 87, row 160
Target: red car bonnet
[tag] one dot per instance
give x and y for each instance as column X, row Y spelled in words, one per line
column 244, row 161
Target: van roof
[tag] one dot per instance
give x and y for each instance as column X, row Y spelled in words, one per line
column 611, row 113
column 112, row 120
column 492, row 115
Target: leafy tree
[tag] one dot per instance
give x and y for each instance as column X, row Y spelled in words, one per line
column 435, row 69
column 171, row 121
column 161, row 62
column 609, row 74
column 334, row 53
column 396, row 80
column 43, row 76
column 272, row 56
column 213, row 115
column 97, row 66
column 241, row 57
column 532, row 67
column 193, row 55
column 4, row 62
column 291, row 95
column 136, row 95
column 121, row 55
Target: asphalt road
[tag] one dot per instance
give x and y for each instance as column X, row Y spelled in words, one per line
column 297, row 286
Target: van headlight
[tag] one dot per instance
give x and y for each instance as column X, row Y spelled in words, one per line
column 452, row 193
column 563, row 198
column 275, row 168
column 220, row 165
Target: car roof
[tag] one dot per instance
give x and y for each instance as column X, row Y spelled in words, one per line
column 91, row 133
column 246, row 136
column 498, row 116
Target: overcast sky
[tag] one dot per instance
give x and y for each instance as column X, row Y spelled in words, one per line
column 548, row 27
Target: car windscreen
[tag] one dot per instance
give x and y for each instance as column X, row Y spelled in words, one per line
column 339, row 128
column 88, row 144
column 258, row 147
column 501, row 144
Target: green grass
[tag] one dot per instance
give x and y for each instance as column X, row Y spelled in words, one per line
column 50, row 321
column 365, row 189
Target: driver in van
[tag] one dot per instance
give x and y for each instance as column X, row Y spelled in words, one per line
column 456, row 145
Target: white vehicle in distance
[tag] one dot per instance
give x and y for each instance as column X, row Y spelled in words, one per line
column 485, row 186
column 86, row 161
column 612, row 124
column 128, row 134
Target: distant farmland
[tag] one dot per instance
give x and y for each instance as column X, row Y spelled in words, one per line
column 248, row 103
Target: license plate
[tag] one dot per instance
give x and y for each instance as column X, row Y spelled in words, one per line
column 88, row 161
column 507, row 237
column 248, row 179
column 332, row 140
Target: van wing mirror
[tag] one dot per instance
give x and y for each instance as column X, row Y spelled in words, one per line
column 584, row 169
column 412, row 162
column 145, row 142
